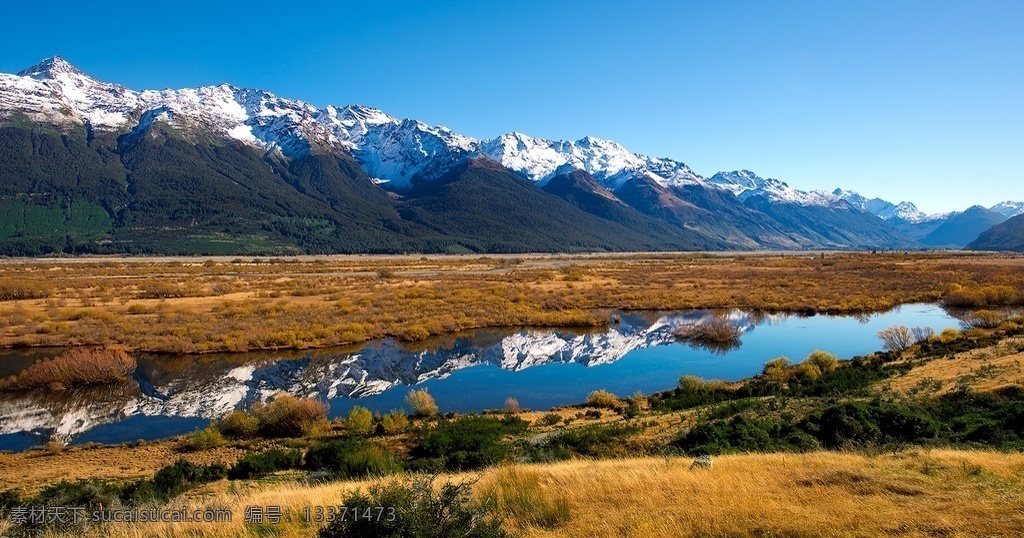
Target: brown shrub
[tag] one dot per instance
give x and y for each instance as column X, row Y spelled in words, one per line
column 79, row 366
column 288, row 416
column 714, row 331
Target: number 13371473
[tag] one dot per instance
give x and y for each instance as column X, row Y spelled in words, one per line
column 328, row 514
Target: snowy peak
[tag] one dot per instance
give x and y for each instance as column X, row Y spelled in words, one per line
column 885, row 210
column 1009, row 209
column 51, row 69
column 746, row 184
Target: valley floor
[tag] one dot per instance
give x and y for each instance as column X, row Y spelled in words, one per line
column 203, row 305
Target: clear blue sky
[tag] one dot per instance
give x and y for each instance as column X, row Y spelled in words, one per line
column 918, row 100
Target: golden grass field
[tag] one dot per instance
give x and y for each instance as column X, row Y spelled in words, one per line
column 218, row 304
column 912, row 494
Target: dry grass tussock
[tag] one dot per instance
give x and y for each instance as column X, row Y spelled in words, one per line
column 242, row 305
column 75, row 367
column 936, row 493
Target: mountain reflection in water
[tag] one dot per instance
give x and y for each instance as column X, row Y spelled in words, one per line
column 467, row 371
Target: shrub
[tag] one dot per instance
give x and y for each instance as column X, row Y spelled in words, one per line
column 359, row 421
column 352, row 457
column 602, row 398
column 468, row 442
column 14, row 290
column 288, row 416
column 415, row 509
column 777, row 369
column 806, row 371
column 825, row 361
column 253, row 465
column 239, row 424
column 183, row 475
column 595, row 440
column 395, row 422
column 948, row 336
column 516, row 492
column 713, row 330
column 512, row 406
column 204, row 439
column 985, row 319
column 78, row 366
column 897, row 338
column 922, row 334
column 421, row 403
column 550, row 419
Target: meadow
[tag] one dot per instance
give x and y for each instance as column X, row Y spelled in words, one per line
column 201, row 305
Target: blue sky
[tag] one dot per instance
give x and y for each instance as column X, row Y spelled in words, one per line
column 916, row 100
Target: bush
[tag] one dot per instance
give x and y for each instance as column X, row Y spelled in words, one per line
column 825, row 361
column 516, row 492
column 239, row 424
column 713, row 330
column 897, row 338
column 415, row 510
column 603, row 398
column 777, row 369
column 288, row 416
column 173, row 480
column 254, row 465
column 204, row 439
column 395, row 422
column 512, row 406
column 359, row 421
column 75, row 367
column 593, row 441
column 352, row 457
column 421, row 403
column 550, row 419
column 985, row 319
column 468, row 442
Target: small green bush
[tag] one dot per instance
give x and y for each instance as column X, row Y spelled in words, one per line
column 239, row 424
column 359, row 421
column 352, row 457
column 468, row 442
column 204, row 439
column 395, row 422
column 254, row 465
column 550, row 419
column 416, row 509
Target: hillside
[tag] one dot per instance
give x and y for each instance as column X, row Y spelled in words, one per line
column 1008, row 235
column 95, row 167
column 962, row 228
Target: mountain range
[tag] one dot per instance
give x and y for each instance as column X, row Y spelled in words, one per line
column 89, row 166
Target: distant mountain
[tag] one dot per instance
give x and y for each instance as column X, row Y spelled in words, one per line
column 89, row 166
column 1008, row 235
column 1009, row 209
column 960, row 229
column 816, row 217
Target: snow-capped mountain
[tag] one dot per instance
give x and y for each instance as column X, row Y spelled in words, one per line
column 746, row 184
column 319, row 165
column 1009, row 209
column 391, row 150
column 905, row 211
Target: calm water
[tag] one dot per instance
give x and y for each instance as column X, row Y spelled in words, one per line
column 472, row 371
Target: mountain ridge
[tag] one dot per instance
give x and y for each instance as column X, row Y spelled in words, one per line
column 729, row 210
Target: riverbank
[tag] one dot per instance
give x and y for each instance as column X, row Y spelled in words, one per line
column 220, row 305
column 919, row 441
